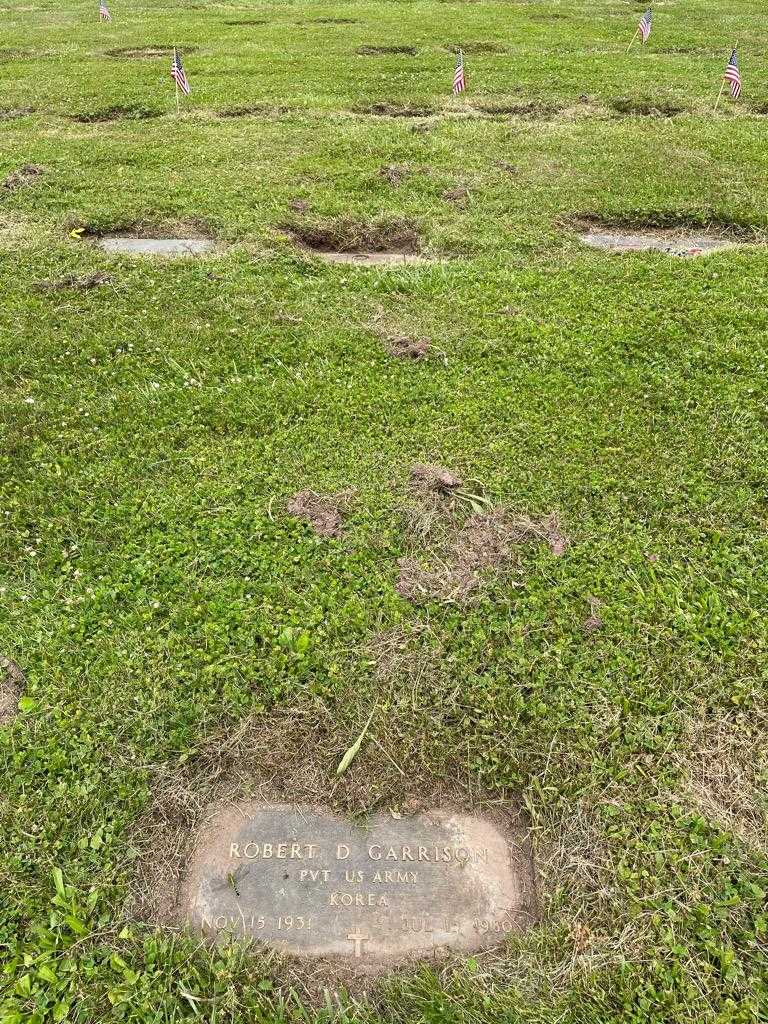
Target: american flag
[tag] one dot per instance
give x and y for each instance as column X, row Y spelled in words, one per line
column 732, row 75
column 104, row 14
column 177, row 73
column 645, row 25
column 459, row 81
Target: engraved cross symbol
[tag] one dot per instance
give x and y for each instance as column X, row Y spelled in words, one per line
column 358, row 940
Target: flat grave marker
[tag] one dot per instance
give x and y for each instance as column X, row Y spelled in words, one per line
column 309, row 882
column 671, row 243
column 172, row 247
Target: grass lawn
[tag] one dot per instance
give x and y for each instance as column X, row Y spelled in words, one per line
column 182, row 635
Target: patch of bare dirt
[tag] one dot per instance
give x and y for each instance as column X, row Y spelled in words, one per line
column 248, row 21
column 433, row 493
column 683, row 50
column 429, row 479
column 75, row 282
column 403, row 347
column 289, row 319
column 504, row 165
column 116, row 113
column 484, row 544
column 395, row 109
column 395, row 174
column 593, row 622
column 12, row 113
column 254, row 110
column 529, row 109
column 12, row 683
column 458, row 195
column 299, row 205
column 383, row 51
column 150, row 52
column 627, row 106
column 9, row 54
column 478, row 48
column 391, row 237
column 25, row 175
column 451, row 556
column 323, row 512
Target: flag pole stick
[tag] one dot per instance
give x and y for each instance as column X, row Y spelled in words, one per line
column 634, row 37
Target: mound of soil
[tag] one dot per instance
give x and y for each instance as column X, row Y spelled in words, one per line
column 395, row 174
column 451, row 555
column 73, row 282
column 458, row 195
column 23, row 176
column 323, row 512
column 427, row 478
column 403, row 347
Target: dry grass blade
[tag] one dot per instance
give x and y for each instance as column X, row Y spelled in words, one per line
column 354, row 750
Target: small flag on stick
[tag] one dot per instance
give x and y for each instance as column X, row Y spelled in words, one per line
column 459, row 81
column 178, row 75
column 104, row 14
column 733, row 76
column 643, row 29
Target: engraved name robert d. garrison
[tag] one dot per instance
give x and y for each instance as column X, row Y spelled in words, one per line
column 309, row 882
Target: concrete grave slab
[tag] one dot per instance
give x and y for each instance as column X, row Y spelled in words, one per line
column 309, row 882
column 673, row 243
column 171, row 247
